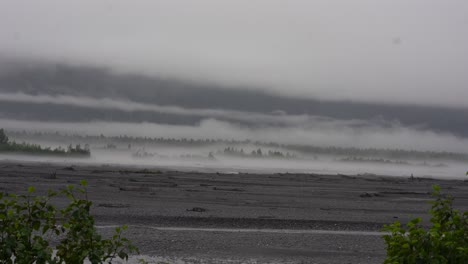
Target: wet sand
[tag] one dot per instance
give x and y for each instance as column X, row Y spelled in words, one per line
column 240, row 218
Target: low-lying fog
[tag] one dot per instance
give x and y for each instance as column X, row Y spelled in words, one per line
column 268, row 165
column 233, row 156
column 310, row 130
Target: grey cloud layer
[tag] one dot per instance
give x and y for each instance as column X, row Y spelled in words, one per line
column 128, row 106
column 381, row 51
column 283, row 128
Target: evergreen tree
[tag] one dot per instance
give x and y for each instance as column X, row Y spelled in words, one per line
column 3, row 137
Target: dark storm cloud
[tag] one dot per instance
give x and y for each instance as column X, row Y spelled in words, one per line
column 375, row 51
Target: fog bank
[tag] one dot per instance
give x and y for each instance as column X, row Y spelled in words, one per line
column 320, row 133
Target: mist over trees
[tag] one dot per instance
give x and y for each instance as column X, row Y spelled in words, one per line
column 244, row 147
column 256, row 153
column 7, row 146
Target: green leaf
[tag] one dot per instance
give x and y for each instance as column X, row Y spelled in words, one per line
column 84, row 182
column 31, row 189
column 45, row 229
column 123, row 255
column 36, row 225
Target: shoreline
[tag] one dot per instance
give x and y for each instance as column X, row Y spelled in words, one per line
column 115, row 167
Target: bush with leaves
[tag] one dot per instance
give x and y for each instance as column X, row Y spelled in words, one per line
column 446, row 241
column 28, row 225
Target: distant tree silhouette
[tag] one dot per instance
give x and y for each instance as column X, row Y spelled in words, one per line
column 3, row 137
column 259, row 152
column 12, row 146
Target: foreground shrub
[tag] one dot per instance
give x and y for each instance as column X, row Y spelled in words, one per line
column 28, row 225
column 446, row 241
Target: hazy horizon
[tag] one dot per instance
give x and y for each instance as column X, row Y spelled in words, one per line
column 362, row 74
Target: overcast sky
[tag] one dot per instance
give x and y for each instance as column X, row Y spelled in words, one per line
column 398, row 51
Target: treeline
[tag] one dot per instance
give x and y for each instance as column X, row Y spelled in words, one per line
column 374, row 160
column 56, row 136
column 382, row 153
column 34, row 149
column 305, row 148
column 232, row 151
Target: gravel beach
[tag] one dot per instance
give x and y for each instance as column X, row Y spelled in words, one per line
column 198, row 217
